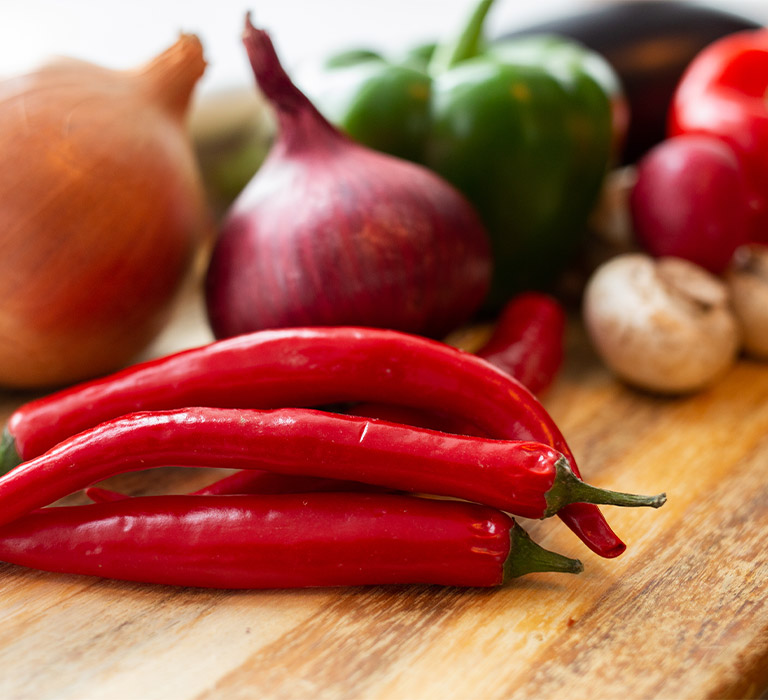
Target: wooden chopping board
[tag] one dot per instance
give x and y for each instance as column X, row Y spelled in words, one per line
column 682, row 614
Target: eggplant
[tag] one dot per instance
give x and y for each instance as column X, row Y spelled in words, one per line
column 649, row 43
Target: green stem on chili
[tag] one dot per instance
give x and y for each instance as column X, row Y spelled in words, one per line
column 531, row 557
column 568, row 488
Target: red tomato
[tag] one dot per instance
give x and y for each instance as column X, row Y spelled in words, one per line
column 723, row 94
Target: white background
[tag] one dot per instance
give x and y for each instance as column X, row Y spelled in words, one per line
column 123, row 34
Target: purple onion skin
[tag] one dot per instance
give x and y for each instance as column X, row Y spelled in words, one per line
column 329, row 232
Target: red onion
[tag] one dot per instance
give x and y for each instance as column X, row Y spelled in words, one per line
column 331, row 233
column 692, row 201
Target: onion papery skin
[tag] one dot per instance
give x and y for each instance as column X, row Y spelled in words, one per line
column 329, row 232
column 101, row 215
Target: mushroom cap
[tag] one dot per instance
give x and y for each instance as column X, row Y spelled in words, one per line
column 662, row 325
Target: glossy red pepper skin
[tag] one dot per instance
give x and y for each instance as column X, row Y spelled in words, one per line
column 309, row 367
column 527, row 341
column 277, row 541
column 513, row 476
column 722, row 94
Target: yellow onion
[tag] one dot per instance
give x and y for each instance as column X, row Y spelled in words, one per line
column 102, row 212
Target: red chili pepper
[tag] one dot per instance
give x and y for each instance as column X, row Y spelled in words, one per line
column 101, row 495
column 257, row 481
column 283, row 541
column 309, row 367
column 527, row 341
column 722, row 93
column 254, row 481
column 523, row 478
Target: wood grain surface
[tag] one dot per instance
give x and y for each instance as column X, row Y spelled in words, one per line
column 682, row 614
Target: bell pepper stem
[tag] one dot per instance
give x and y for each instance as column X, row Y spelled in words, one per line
column 568, row 488
column 527, row 557
column 465, row 45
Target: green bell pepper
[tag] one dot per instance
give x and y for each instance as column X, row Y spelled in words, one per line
column 522, row 127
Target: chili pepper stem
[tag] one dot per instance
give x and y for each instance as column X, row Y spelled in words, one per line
column 527, row 557
column 568, row 488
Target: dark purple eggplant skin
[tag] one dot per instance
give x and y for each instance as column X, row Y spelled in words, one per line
column 649, row 43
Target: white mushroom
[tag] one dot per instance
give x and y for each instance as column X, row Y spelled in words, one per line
column 747, row 280
column 663, row 325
